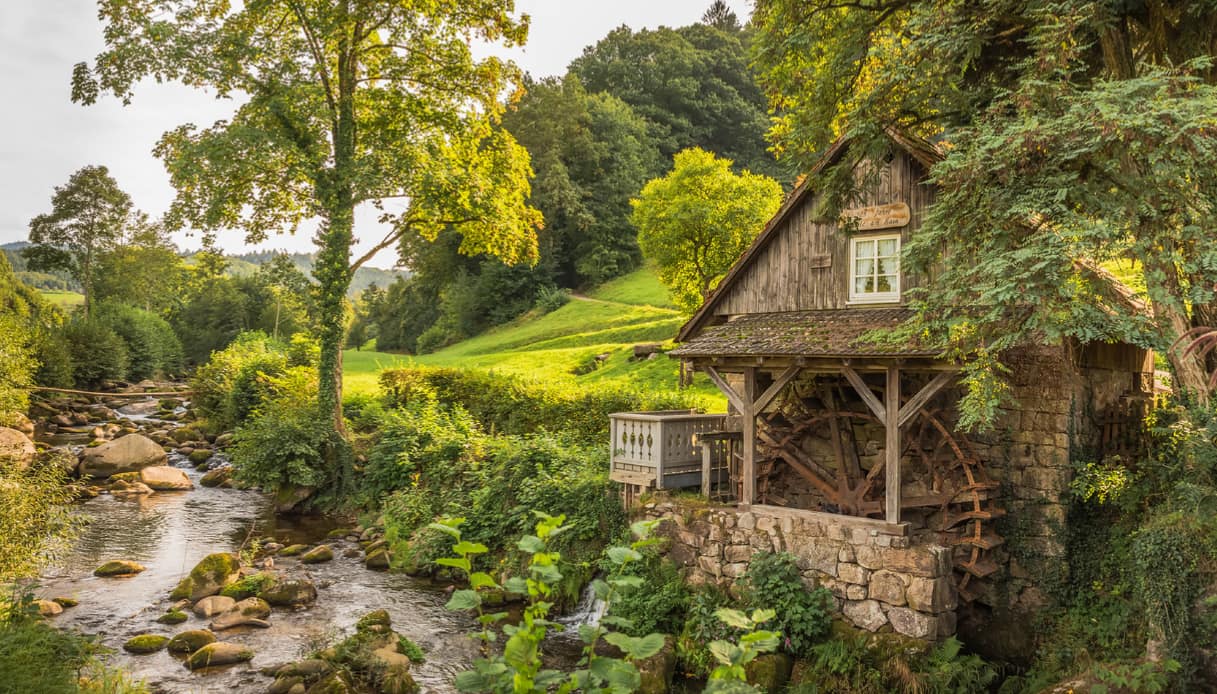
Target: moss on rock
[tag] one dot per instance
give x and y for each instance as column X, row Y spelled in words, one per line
column 190, row 641
column 293, row 550
column 172, row 617
column 145, row 643
column 119, row 567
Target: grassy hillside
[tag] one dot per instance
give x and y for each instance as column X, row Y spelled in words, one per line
column 62, row 299
column 562, row 346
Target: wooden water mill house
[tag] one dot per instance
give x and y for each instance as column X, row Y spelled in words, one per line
column 843, row 450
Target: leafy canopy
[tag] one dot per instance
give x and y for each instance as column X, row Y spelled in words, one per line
column 695, row 222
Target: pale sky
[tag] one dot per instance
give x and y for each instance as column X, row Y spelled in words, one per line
column 47, row 137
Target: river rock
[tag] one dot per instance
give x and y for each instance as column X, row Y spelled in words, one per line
column 218, row 653
column 377, row 560
column 16, row 449
column 23, row 424
column 290, row 496
column 118, row 567
column 199, row 456
column 172, row 617
column 145, row 643
column 48, row 608
column 334, row 683
column 65, row 602
column 293, row 550
column 163, row 478
column 216, row 477
column 317, row 555
column 123, row 489
column 248, row 612
column 190, row 641
column 208, row 577
column 213, row 605
column 125, row 454
column 287, row 592
column 224, row 440
column 141, row 407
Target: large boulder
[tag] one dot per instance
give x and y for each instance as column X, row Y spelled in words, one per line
column 248, row 612
column 218, row 653
column 208, row 577
column 216, row 477
column 285, row 592
column 16, row 449
column 163, row 478
column 145, row 643
column 129, row 453
column 190, row 641
column 317, row 555
column 213, row 605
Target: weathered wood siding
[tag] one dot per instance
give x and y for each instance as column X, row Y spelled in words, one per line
column 789, row 273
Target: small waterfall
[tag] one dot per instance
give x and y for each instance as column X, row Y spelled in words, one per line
column 589, row 610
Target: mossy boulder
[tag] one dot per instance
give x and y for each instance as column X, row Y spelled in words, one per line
column 190, row 641
column 208, row 577
column 293, row 550
column 249, row 586
column 289, row 592
column 377, row 560
column 334, row 683
column 145, row 643
column 218, row 653
column 184, row 434
column 216, row 477
column 248, row 612
column 376, row 621
column 317, row 555
column 118, row 567
column 65, row 602
column 48, row 608
column 172, row 617
column 199, row 456
column 770, row 672
column 125, row 477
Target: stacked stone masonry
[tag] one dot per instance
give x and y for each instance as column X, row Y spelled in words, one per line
column 879, row 581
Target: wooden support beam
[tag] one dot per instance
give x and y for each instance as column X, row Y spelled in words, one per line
column 892, row 446
column 748, row 471
column 776, row 387
column 923, row 397
column 866, row 394
column 737, row 401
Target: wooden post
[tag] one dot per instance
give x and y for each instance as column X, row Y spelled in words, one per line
column 748, row 495
column 707, row 462
column 892, row 445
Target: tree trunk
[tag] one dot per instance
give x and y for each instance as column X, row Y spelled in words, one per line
column 1166, row 298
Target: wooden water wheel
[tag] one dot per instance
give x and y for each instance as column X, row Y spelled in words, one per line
column 955, row 493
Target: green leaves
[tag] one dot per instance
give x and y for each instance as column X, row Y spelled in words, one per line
column 464, row 600
column 637, row 648
column 698, row 219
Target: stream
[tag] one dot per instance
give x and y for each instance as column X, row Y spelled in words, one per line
column 169, row 532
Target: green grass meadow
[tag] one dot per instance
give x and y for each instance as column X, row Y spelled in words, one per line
column 562, row 346
column 63, row 299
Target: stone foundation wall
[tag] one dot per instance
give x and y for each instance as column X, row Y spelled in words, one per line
column 879, row 581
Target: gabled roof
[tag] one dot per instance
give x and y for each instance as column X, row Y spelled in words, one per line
column 821, row 333
column 924, row 152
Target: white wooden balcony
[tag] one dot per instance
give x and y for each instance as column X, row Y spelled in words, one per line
column 663, row 450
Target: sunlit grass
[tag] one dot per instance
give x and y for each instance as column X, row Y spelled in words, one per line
column 63, row 299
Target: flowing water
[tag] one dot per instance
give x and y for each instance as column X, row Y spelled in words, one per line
column 169, row 532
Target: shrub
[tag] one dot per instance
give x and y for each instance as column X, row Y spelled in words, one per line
column 234, row 381
column 98, row 353
column 511, row 405
column 54, row 360
column 16, row 366
column 35, row 656
column 773, row 581
column 550, row 299
column 421, row 436
column 152, row 346
column 701, row 628
column 285, row 441
column 659, row 604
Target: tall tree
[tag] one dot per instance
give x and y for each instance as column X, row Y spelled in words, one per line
column 693, row 85
column 697, row 221
column 1068, row 130
column 720, row 16
column 143, row 270
column 88, row 216
column 345, row 102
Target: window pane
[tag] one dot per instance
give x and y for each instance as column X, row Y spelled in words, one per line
column 864, row 249
column 889, row 266
column 885, row 283
column 864, row 267
column 862, row 285
column 888, row 247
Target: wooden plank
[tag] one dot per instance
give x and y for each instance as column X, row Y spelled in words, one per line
column 806, row 468
column 866, row 394
column 892, row 446
column 923, row 397
column 707, row 454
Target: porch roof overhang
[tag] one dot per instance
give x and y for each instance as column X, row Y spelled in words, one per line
column 835, row 334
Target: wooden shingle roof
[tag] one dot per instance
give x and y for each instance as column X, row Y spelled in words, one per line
column 824, row 333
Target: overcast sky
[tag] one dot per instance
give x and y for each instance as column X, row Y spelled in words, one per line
column 46, row 137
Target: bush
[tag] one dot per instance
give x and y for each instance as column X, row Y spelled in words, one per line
column 233, row 383
column 419, row 437
column 702, row 627
column 98, row 353
column 854, row 662
column 285, row 440
column 16, row 367
column 659, row 604
column 550, row 299
column 773, row 581
column 152, row 346
column 54, row 360
column 511, row 405
column 35, row 518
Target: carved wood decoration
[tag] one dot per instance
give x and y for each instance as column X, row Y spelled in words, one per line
column 875, row 217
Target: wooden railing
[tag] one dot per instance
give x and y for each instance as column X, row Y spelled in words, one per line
column 661, row 450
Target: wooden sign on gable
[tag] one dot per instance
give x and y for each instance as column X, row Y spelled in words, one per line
column 875, row 217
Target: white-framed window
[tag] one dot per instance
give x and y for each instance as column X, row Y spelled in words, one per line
column 874, row 269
